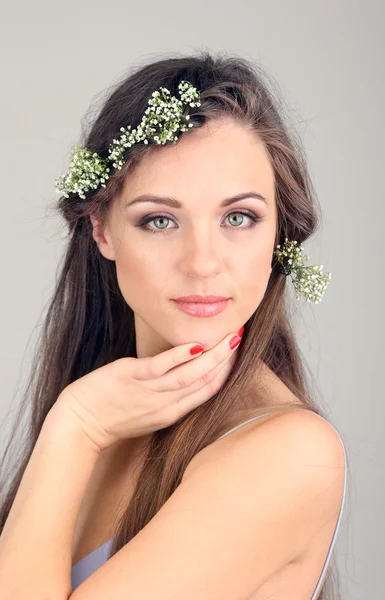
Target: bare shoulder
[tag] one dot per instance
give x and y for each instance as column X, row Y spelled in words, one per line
column 302, row 438
column 297, row 458
column 258, row 496
column 304, row 429
column 284, row 435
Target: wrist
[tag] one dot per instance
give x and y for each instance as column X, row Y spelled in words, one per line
column 63, row 421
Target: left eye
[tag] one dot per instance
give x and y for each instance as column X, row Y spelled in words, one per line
column 143, row 223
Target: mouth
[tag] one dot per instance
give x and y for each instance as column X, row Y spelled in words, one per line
column 202, row 309
column 201, row 299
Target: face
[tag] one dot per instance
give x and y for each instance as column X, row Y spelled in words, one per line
column 200, row 248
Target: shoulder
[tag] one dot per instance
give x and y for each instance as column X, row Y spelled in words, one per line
column 276, row 481
column 259, row 497
column 287, row 463
column 294, row 434
column 286, row 435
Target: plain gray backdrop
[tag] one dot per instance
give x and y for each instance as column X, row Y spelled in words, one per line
column 328, row 59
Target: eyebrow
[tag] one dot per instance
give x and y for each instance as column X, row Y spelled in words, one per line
column 174, row 203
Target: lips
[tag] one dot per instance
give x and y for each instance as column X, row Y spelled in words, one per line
column 202, row 309
column 201, row 299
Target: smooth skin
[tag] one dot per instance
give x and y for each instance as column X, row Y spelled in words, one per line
column 248, row 506
column 132, row 397
column 201, row 248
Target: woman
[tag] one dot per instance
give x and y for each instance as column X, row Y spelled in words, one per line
column 196, row 475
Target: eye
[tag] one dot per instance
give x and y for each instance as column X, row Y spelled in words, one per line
column 143, row 223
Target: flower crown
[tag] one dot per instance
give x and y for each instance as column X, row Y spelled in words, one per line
column 162, row 119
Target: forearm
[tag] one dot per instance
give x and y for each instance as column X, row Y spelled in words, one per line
column 36, row 543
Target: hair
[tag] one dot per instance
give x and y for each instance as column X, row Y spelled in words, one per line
column 88, row 323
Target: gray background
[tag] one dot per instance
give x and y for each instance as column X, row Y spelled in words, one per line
column 327, row 57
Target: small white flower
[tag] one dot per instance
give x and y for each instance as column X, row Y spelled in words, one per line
column 87, row 170
column 308, row 281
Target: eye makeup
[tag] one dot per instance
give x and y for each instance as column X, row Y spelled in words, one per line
column 143, row 223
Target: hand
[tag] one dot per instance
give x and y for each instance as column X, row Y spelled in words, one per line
column 132, row 397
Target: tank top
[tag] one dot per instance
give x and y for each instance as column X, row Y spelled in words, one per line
column 95, row 559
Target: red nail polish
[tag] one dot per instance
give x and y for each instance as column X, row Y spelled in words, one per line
column 240, row 332
column 196, row 349
column 235, row 341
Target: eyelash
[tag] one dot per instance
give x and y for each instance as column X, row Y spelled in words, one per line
column 148, row 218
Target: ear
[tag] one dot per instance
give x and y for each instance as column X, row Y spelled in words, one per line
column 102, row 238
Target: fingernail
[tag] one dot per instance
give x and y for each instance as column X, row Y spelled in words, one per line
column 196, row 349
column 242, row 329
column 235, row 341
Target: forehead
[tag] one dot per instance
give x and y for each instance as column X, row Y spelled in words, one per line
column 217, row 159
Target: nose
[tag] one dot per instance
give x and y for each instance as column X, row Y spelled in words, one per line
column 202, row 258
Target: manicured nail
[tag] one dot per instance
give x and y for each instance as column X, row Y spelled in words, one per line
column 196, row 349
column 240, row 332
column 235, row 341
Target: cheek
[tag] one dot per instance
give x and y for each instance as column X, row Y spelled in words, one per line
column 140, row 276
column 254, row 269
column 252, row 276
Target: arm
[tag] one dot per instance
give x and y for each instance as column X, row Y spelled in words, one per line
column 251, row 505
column 36, row 543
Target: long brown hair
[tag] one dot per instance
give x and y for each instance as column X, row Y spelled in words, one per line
column 88, row 323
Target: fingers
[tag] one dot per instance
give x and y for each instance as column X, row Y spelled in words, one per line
column 153, row 367
column 183, row 403
column 189, row 372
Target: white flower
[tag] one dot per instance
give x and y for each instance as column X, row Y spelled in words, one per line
column 87, row 170
column 309, row 282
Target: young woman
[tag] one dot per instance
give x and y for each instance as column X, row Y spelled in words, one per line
column 150, row 471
